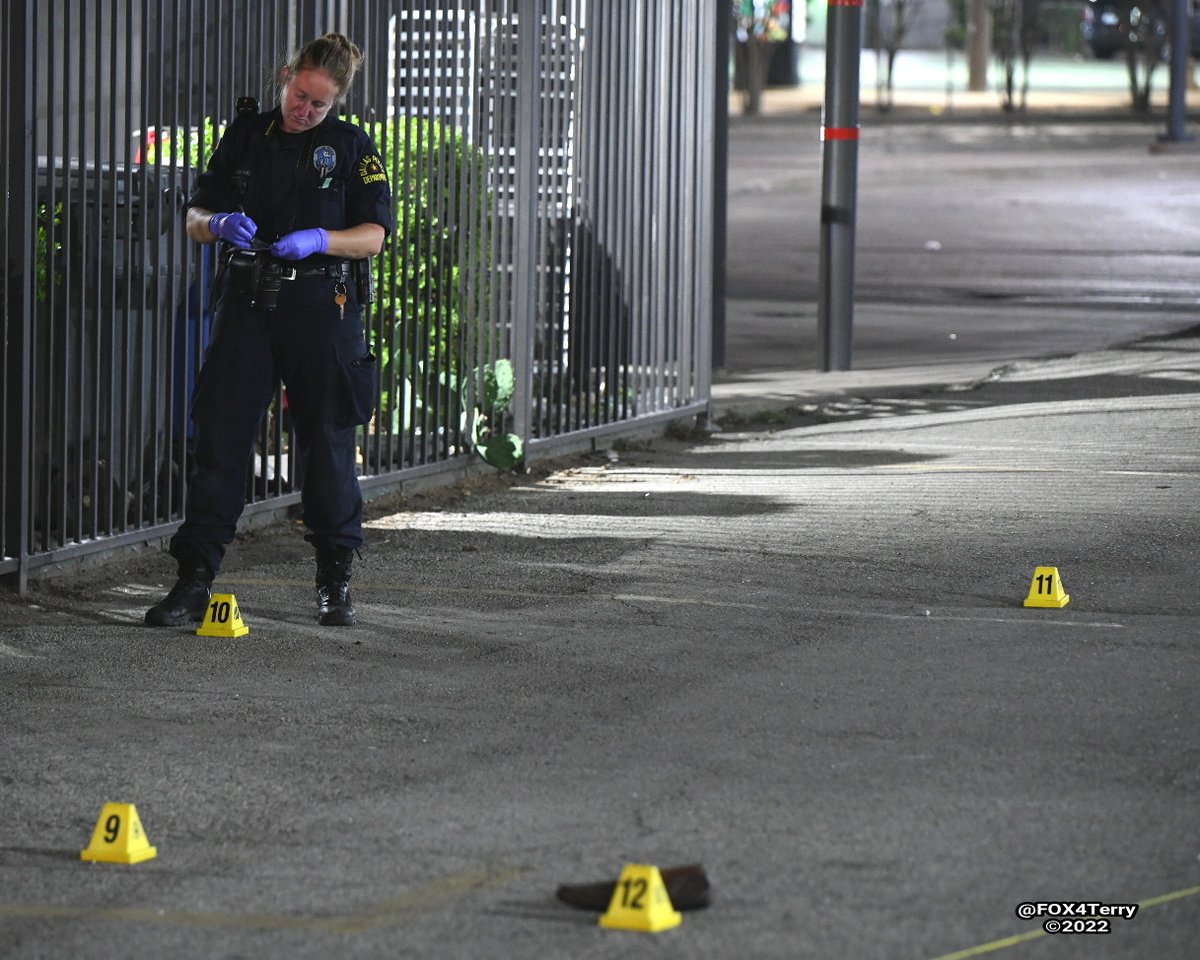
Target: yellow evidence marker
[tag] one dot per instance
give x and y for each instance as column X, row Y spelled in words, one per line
column 1046, row 590
column 119, row 837
column 222, row 618
column 640, row 902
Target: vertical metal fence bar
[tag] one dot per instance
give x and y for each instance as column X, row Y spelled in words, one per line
column 177, row 266
column 504, row 146
column 616, row 347
column 182, row 263
column 525, row 269
column 407, row 326
column 548, row 317
column 427, row 150
column 612, row 355
column 412, row 328
column 75, row 281
column 467, row 214
column 163, row 287
column 654, row 160
column 155, row 303
column 581, row 307
column 569, row 139
column 632, row 246
column 119, row 214
column 20, row 177
column 47, row 295
column 707, row 154
column 680, row 105
column 397, row 365
column 12, row 14
column 94, row 184
column 494, row 135
column 633, row 223
column 408, row 321
column 422, row 147
column 656, row 210
column 284, row 472
column 483, row 222
column 391, row 408
column 196, row 111
column 257, row 474
column 533, row 19
column 718, row 111
column 545, row 314
column 54, row 412
column 689, row 100
column 133, row 479
column 440, row 107
column 102, row 326
column 609, row 314
column 560, row 211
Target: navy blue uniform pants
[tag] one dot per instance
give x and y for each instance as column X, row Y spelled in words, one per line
column 321, row 357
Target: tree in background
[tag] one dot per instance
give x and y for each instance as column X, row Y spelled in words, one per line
column 955, row 39
column 758, row 26
column 1147, row 43
column 894, row 19
column 1015, row 30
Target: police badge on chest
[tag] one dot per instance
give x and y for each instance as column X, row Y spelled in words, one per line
column 324, row 160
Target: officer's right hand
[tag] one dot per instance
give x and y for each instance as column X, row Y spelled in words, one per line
column 235, row 228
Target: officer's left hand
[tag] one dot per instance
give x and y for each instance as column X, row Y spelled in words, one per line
column 301, row 244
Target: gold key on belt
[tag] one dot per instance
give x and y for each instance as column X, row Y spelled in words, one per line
column 339, row 297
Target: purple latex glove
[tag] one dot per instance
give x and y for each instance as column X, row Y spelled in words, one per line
column 301, row 244
column 236, row 228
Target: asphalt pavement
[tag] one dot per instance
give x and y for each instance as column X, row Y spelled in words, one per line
column 793, row 649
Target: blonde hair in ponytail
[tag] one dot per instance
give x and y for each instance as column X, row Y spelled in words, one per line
column 334, row 54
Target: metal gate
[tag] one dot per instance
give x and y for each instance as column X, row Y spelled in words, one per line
column 549, row 278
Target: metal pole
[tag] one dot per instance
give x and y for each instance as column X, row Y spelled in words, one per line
column 839, row 183
column 1180, row 51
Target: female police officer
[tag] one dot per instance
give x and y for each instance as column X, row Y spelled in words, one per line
column 296, row 196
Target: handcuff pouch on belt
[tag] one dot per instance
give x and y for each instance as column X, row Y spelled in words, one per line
column 258, row 275
column 364, row 278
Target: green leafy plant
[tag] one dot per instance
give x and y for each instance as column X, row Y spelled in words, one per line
column 46, row 251
column 502, row 450
column 435, row 280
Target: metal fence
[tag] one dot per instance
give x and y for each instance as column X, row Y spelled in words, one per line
column 548, row 279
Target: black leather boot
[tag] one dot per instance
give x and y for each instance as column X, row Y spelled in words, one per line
column 334, row 608
column 187, row 600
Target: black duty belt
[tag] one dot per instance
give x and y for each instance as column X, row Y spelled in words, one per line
column 335, row 271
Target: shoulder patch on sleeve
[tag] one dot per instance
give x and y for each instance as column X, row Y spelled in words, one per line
column 370, row 169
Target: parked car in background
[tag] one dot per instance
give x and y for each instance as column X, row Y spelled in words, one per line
column 1108, row 26
column 1102, row 28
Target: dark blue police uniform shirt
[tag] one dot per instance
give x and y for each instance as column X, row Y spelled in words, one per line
column 290, row 182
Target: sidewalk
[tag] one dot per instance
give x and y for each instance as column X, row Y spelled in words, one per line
column 794, row 651
column 1059, row 86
